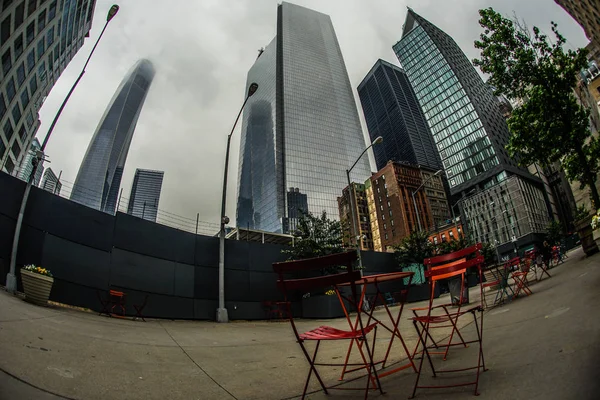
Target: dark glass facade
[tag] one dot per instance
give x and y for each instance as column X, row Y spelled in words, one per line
column 303, row 119
column 99, row 177
column 461, row 110
column 392, row 111
column 145, row 194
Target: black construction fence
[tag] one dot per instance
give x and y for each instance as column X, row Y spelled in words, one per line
column 90, row 252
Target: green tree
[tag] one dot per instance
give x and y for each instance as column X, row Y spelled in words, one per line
column 414, row 248
column 549, row 125
column 554, row 232
column 315, row 237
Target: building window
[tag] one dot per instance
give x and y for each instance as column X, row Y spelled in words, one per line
column 41, row 21
column 8, row 130
column 10, row 89
column 18, row 46
column 9, row 165
column 50, row 36
column 29, row 119
column 5, row 30
column 30, row 60
column 16, row 149
column 30, row 32
column 392, row 222
column 16, row 113
column 2, row 106
column 6, row 61
column 33, row 85
column 2, row 149
column 42, row 72
column 25, row 98
column 20, row 74
column 19, row 15
column 23, row 133
column 41, row 47
column 383, row 177
column 52, row 11
column 31, row 6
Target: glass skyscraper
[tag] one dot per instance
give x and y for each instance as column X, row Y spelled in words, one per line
column 38, row 39
column 392, row 111
column 461, row 110
column 145, row 194
column 300, row 131
column 99, row 177
column 470, row 134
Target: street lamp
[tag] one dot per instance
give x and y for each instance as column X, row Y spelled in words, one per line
column 352, row 194
column 437, row 173
column 11, row 278
column 222, row 315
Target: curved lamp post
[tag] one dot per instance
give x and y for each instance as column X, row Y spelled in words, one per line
column 352, row 194
column 222, row 315
column 437, row 173
column 11, row 278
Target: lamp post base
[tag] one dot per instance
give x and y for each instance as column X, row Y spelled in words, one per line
column 11, row 283
column 222, row 315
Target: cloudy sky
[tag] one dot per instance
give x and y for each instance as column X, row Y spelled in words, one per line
column 202, row 50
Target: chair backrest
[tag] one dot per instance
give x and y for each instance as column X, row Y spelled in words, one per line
column 345, row 259
column 350, row 276
column 454, row 265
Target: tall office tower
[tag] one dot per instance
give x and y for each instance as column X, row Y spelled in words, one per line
column 51, row 182
column 37, row 42
column 145, row 194
column 26, row 166
column 467, row 126
column 301, row 128
column 586, row 13
column 392, row 111
column 99, row 177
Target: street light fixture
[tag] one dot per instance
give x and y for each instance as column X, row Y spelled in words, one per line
column 357, row 237
column 11, row 278
column 437, row 173
column 222, row 315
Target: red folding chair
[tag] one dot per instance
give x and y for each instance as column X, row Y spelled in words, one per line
column 520, row 277
column 444, row 267
column 290, row 286
column 451, row 322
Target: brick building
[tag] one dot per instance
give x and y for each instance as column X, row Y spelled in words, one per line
column 361, row 212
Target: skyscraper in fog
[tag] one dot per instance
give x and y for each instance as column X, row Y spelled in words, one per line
column 301, row 130
column 99, row 177
column 145, row 194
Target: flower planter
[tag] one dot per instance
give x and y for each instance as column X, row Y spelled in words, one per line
column 37, row 287
column 586, row 234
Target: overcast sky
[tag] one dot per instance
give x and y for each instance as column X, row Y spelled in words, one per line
column 202, row 50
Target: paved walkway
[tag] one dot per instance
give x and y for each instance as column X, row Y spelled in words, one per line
column 545, row 346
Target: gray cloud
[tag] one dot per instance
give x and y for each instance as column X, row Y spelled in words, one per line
column 202, row 51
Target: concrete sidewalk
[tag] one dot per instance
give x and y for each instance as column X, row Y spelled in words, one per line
column 542, row 346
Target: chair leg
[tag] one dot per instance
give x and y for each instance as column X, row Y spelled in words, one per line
column 454, row 328
column 312, row 369
column 423, row 341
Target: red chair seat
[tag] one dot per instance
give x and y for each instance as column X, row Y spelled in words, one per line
column 436, row 319
column 330, row 333
column 490, row 284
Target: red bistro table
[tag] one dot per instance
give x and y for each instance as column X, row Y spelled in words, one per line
column 391, row 325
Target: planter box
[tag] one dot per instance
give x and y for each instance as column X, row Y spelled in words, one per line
column 36, row 287
column 586, row 234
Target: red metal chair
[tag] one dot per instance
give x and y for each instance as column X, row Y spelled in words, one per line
column 117, row 299
column 444, row 267
column 520, row 277
column 327, row 333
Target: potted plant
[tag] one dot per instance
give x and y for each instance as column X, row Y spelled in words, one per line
column 583, row 224
column 37, row 284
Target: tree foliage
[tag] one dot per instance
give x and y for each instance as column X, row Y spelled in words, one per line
column 554, row 233
column 413, row 249
column 549, row 125
column 315, row 237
